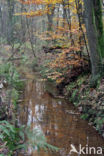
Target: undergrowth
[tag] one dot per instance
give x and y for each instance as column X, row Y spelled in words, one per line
column 14, row 138
column 83, row 96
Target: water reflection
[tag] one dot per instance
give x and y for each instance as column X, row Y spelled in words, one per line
column 58, row 120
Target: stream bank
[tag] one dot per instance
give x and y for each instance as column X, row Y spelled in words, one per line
column 88, row 100
column 11, row 87
column 76, row 87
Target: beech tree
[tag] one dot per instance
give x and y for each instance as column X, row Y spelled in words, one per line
column 94, row 28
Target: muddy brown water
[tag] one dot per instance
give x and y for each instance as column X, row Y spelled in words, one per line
column 57, row 118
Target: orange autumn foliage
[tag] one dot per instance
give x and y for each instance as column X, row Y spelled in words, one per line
column 28, row 2
column 69, row 56
column 64, row 63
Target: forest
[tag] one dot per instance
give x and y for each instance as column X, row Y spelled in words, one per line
column 51, row 77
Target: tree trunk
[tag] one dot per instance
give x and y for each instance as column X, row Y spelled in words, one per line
column 10, row 20
column 50, row 16
column 92, row 34
column 82, row 37
column 99, row 24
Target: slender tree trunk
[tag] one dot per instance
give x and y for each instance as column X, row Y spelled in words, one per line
column 81, row 21
column 50, row 16
column 10, row 20
column 57, row 23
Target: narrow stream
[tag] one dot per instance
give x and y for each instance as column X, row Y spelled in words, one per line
column 57, row 118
